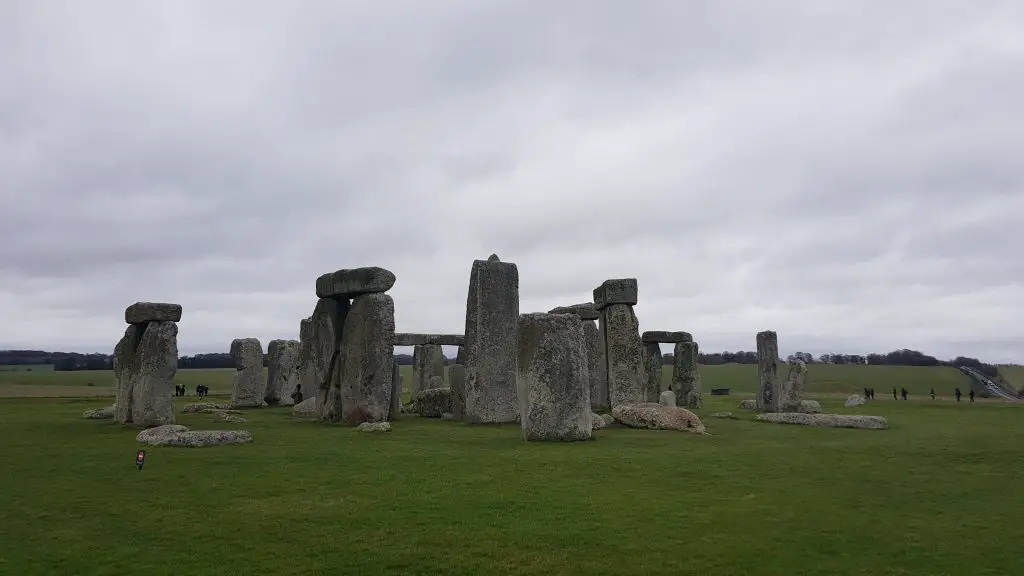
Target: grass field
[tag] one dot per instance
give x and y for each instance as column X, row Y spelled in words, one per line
column 934, row 495
column 1014, row 375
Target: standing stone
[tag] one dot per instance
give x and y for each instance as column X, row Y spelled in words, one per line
column 768, row 389
column 155, row 364
column 427, row 362
column 652, row 367
column 306, row 376
column 396, row 392
column 328, row 319
column 624, row 355
column 597, row 366
column 457, row 383
column 361, row 388
column 459, row 358
column 793, row 387
column 249, row 384
column 491, row 356
column 124, row 354
column 554, row 385
column 686, row 376
column 667, row 398
column 282, row 372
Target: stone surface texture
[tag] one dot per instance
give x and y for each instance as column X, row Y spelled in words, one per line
column 554, row 384
column 427, row 362
column 492, row 334
column 396, row 393
column 305, row 373
column 200, row 407
column 667, row 398
column 661, row 337
column 652, row 371
column 105, row 413
column 658, row 417
column 249, row 382
column 624, row 355
column 854, row 400
column 175, row 435
column 826, row 420
column 616, row 291
column 224, row 417
column 748, row 404
column 282, row 372
column 793, row 387
column 361, row 386
column 146, row 312
column 433, row 402
column 306, row 409
column 154, row 365
column 597, row 366
column 808, row 407
column 457, row 381
column 597, row 422
column 349, row 283
column 123, row 364
column 374, row 427
column 412, row 339
column 586, row 310
column 328, row 320
column 686, row 375
column 768, row 389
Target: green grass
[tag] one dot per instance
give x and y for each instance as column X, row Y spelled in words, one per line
column 931, row 496
column 26, row 368
column 1014, row 375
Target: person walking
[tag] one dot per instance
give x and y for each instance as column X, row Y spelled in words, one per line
column 970, row 394
column 956, row 392
column 894, row 393
column 933, row 393
column 903, row 393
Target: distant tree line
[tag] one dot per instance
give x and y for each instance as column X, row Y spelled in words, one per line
column 68, row 361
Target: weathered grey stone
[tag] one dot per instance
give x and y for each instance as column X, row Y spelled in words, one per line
column 686, row 375
column 146, row 312
column 596, row 422
column 667, row 398
column 493, row 258
column 200, row 407
column 554, row 385
column 305, row 370
column 99, row 413
column 658, row 417
column 586, row 310
column 615, row 291
column 328, row 321
column 826, row 420
column 433, row 402
column 219, row 411
column 396, row 393
column 727, row 415
column 174, row 435
column 748, row 404
column 793, row 387
column 448, row 416
column 457, row 379
column 124, row 366
column 652, row 370
column 155, row 363
column 623, row 353
column 854, row 400
column 665, row 337
column 427, row 362
column 460, row 356
column 374, row 427
column 597, row 366
column 608, row 419
column 768, row 388
column 249, row 382
column 410, row 339
column 492, row 319
column 282, row 372
column 228, row 418
column 807, row 407
column 306, row 409
column 361, row 386
column 349, row 283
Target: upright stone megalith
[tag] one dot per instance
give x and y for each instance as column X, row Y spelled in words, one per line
column 396, row 392
column 282, row 372
column 492, row 320
column 249, row 382
column 306, row 374
column 686, row 375
column 768, row 388
column 652, row 369
column 327, row 321
column 457, row 384
column 427, row 362
column 554, row 386
column 620, row 333
column 597, row 365
column 362, row 387
column 145, row 363
column 793, row 387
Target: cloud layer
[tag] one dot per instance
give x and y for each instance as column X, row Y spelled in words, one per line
column 846, row 176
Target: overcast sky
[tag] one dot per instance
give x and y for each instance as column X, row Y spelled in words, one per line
column 849, row 174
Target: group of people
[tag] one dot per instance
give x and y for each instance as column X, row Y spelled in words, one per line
column 179, row 389
column 869, row 394
column 970, row 394
column 201, row 391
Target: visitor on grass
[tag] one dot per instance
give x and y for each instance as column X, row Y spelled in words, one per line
column 933, row 393
column 903, row 393
column 956, row 392
column 894, row 393
column 970, row 394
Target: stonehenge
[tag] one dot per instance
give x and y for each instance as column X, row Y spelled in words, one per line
column 411, row 339
column 396, row 393
column 492, row 333
column 282, row 372
column 457, row 384
column 427, row 362
column 554, row 385
column 793, row 387
column 305, row 373
column 620, row 337
column 652, row 370
column 686, row 375
column 596, row 362
column 768, row 389
column 145, row 361
column 249, row 383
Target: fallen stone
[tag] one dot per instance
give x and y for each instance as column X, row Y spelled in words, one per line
column 554, row 385
column 174, row 435
column 374, row 427
column 723, row 415
column 608, row 419
column 615, row 291
column 433, row 402
column 661, row 337
column 362, row 383
column 492, row 333
column 597, row 422
column 306, row 409
column 585, row 311
column 826, row 420
column 686, row 375
column 854, row 400
column 448, row 416
column 231, row 418
column 282, row 372
column 658, row 417
column 748, row 404
column 154, row 364
column 427, row 363
column 349, row 283
column 249, row 383
column 808, row 407
column 409, row 339
column 219, row 411
column 99, row 413
column 624, row 353
column 768, row 387
column 146, row 312
column 203, row 407
column 652, row 369
column 457, row 379
column 667, row 398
